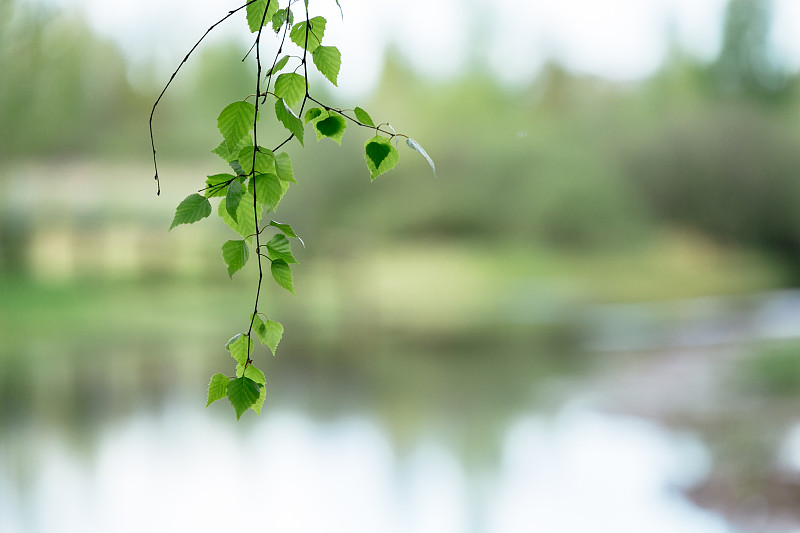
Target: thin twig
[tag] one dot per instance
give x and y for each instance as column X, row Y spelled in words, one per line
column 253, row 174
column 186, row 58
column 358, row 122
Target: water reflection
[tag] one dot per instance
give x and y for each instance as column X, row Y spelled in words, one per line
column 183, row 470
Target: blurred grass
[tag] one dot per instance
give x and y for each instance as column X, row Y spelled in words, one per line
column 773, row 371
column 415, row 285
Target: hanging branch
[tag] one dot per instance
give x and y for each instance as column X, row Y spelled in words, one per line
column 259, row 177
column 164, row 90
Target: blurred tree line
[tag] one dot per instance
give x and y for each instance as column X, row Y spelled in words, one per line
column 64, row 91
column 569, row 161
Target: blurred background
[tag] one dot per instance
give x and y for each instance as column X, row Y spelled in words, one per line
column 589, row 321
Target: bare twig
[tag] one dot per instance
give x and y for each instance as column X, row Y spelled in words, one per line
column 164, row 90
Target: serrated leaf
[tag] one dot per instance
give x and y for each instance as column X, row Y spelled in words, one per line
column 235, row 254
column 290, row 121
column 312, row 114
column 282, row 274
column 414, row 145
column 251, row 372
column 243, row 392
column 217, row 185
column 278, row 66
column 255, row 13
column 376, row 153
column 280, row 17
column 316, row 31
column 287, row 230
column 278, row 247
column 235, row 121
column 269, row 190
column 241, row 348
column 258, row 324
column 328, row 60
column 236, row 167
column 229, row 152
column 193, row 208
column 223, row 150
column 259, row 403
column 269, row 333
column 363, row 117
column 380, row 155
column 245, row 225
column 233, row 197
column 283, row 167
column 264, row 160
column 291, row 87
column 217, row 388
column 332, row 127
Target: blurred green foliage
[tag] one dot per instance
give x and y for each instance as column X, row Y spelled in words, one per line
column 746, row 64
column 773, row 370
column 568, row 162
column 64, row 90
column 569, row 185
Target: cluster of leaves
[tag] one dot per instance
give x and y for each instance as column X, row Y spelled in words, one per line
column 259, row 177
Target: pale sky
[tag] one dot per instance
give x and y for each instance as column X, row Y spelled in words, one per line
column 620, row 39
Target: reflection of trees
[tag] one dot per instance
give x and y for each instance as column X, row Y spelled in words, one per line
column 747, row 64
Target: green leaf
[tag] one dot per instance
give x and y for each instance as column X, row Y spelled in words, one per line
column 287, row 230
column 282, row 274
column 312, row 114
column 224, row 151
column 291, row 87
column 243, row 392
column 217, row 185
column 193, row 208
column 251, row 372
column 236, row 167
column 278, row 66
column 381, row 156
column 283, row 167
column 316, row 30
column 363, row 117
column 235, row 121
column 269, row 333
column 233, row 197
column 259, row 403
column 290, row 121
column 278, row 247
column 217, row 388
column 255, row 13
column 230, row 151
column 245, row 223
column 241, row 348
column 264, row 160
column 235, row 254
column 332, row 127
column 280, row 17
column 414, row 145
column 269, row 190
column 328, row 60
